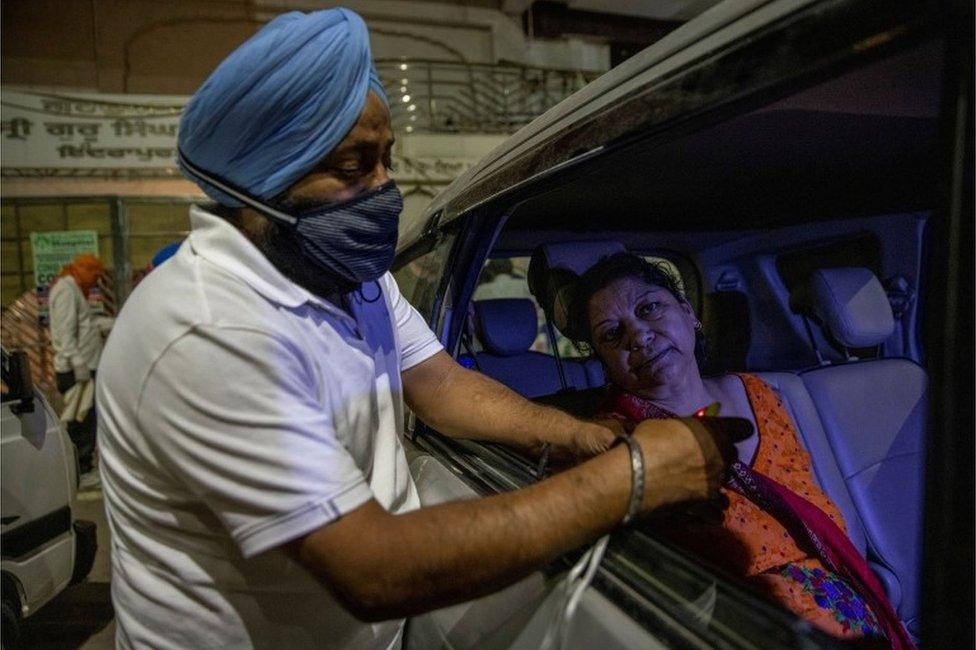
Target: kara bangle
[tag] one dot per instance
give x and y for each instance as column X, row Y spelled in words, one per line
column 637, row 478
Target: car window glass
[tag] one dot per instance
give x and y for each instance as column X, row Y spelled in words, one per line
column 795, row 266
column 505, row 277
column 420, row 278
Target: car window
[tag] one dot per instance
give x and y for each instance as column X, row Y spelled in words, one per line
column 420, row 278
column 863, row 249
column 505, row 277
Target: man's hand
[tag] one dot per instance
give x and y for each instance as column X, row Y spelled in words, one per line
column 686, row 459
column 582, row 441
column 387, row 566
column 462, row 403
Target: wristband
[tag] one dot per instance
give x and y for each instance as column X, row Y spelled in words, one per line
column 637, row 477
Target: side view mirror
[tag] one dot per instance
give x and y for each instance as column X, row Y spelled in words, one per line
column 20, row 383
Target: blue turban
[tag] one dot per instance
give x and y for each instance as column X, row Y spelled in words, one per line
column 276, row 106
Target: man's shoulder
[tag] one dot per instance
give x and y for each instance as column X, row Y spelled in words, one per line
column 179, row 298
column 206, row 294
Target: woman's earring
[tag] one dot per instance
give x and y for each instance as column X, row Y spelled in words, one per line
column 698, row 326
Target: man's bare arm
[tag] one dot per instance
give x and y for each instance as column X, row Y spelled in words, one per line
column 463, row 403
column 383, row 566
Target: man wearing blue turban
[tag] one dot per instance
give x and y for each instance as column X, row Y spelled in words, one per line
column 254, row 386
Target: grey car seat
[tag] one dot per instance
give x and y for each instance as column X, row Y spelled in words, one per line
column 873, row 416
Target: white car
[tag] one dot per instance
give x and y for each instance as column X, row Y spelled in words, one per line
column 44, row 548
column 762, row 144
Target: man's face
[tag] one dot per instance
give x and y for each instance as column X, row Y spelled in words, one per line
column 359, row 163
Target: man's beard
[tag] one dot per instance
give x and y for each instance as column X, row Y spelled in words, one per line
column 283, row 248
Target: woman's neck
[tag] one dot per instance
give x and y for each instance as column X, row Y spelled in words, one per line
column 682, row 400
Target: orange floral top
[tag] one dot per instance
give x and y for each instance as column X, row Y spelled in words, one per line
column 750, row 542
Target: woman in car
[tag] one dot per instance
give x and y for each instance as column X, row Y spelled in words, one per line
column 780, row 532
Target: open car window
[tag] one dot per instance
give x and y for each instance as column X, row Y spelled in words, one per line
column 506, row 277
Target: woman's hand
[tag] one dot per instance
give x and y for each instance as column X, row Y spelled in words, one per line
column 686, row 459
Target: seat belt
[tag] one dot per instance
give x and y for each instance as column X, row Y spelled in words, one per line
column 813, row 342
column 551, row 332
column 466, row 344
column 901, row 297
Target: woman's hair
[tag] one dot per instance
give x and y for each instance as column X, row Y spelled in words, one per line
column 603, row 274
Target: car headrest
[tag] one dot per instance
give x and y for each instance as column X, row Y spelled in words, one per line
column 506, row 326
column 850, row 303
column 555, row 267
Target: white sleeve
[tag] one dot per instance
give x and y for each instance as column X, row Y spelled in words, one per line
column 417, row 342
column 63, row 312
column 237, row 416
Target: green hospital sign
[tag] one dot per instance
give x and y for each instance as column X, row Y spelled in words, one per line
column 52, row 250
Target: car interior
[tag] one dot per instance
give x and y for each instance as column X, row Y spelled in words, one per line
column 798, row 229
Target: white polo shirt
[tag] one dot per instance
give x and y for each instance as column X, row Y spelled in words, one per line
column 238, row 411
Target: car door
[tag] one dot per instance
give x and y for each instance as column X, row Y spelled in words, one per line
column 32, row 452
column 672, row 598
column 644, row 594
column 521, row 615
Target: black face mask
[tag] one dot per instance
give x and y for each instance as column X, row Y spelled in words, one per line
column 354, row 240
column 282, row 246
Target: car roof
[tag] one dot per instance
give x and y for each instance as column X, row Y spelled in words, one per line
column 719, row 25
column 737, row 59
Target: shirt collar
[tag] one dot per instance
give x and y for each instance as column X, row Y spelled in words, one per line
column 220, row 243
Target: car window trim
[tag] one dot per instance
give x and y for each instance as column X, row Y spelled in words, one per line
column 627, row 575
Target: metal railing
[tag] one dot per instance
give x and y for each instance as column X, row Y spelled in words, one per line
column 448, row 97
column 21, row 328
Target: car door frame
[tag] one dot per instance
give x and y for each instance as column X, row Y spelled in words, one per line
column 861, row 36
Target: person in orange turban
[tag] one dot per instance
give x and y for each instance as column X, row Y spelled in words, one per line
column 76, row 336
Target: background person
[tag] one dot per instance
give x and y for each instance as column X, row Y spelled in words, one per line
column 76, row 336
column 160, row 256
column 252, row 393
column 632, row 315
column 163, row 254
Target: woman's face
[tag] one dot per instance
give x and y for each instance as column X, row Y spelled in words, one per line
column 644, row 335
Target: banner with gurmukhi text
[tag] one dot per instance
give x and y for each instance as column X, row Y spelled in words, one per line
column 120, row 135
column 87, row 132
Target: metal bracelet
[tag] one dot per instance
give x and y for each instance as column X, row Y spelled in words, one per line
column 637, row 476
